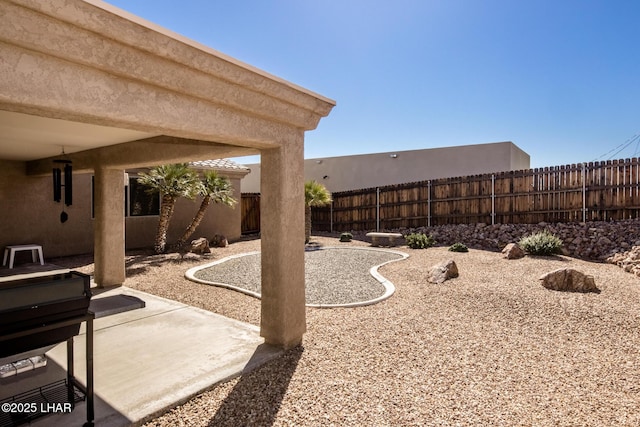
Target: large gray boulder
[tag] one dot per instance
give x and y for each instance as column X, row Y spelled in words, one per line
column 568, row 280
column 444, row 271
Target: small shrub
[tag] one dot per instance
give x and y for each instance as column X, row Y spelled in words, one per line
column 458, row 247
column 542, row 243
column 346, row 237
column 419, row 241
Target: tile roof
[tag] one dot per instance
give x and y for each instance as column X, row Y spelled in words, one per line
column 219, row 164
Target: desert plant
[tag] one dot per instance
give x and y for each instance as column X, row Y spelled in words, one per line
column 419, row 241
column 315, row 194
column 458, row 247
column 541, row 243
column 214, row 189
column 346, row 237
column 171, row 182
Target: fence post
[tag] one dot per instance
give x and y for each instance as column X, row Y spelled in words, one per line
column 429, row 204
column 377, row 208
column 584, row 192
column 493, row 199
column 331, row 217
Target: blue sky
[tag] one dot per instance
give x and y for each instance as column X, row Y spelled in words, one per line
column 559, row 78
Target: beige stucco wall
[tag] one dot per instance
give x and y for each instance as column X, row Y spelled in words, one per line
column 519, row 159
column 379, row 169
column 29, row 215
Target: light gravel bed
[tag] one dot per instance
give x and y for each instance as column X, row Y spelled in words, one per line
column 489, row 348
column 333, row 276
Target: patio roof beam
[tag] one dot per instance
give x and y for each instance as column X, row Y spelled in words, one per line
column 141, row 51
column 143, row 153
column 141, row 77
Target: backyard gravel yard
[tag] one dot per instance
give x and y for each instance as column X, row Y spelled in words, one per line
column 491, row 347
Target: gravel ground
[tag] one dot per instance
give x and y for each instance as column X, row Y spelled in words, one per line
column 328, row 279
column 491, row 347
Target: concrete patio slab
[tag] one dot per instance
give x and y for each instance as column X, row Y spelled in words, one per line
column 151, row 359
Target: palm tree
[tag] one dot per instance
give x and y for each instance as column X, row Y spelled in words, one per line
column 172, row 182
column 315, row 194
column 213, row 189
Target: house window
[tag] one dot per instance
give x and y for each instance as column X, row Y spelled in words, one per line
column 139, row 202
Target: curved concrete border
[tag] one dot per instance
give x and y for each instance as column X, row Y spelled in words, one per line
column 190, row 274
column 388, row 286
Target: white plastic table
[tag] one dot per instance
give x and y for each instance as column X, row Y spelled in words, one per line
column 10, row 252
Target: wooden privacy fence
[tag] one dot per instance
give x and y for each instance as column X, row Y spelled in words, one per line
column 596, row 191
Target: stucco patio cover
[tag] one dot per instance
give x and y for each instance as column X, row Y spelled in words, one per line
column 86, row 62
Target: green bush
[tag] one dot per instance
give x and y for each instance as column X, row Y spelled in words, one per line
column 542, row 243
column 419, row 241
column 346, row 237
column 458, row 247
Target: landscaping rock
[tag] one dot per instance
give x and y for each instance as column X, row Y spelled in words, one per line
column 200, row 246
column 444, row 271
column 513, row 251
column 629, row 260
column 590, row 240
column 569, row 280
column 219, row 241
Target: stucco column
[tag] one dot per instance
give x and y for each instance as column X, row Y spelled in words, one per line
column 282, row 231
column 108, row 227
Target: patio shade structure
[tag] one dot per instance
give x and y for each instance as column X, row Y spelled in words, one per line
column 116, row 92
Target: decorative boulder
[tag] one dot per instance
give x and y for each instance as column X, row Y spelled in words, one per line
column 219, row 241
column 444, row 271
column 569, row 280
column 513, row 251
column 200, row 246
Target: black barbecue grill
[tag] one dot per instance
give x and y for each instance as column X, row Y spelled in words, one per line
column 43, row 309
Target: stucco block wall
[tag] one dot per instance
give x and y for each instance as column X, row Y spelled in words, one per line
column 520, row 160
column 397, row 167
column 29, row 215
